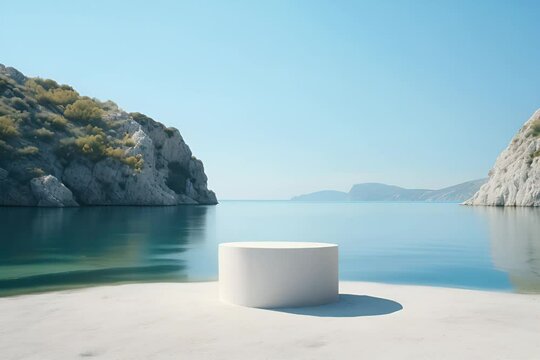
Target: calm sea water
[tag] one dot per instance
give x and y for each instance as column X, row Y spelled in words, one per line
column 412, row 243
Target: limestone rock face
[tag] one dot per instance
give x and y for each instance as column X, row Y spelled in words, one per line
column 49, row 192
column 515, row 178
column 51, row 157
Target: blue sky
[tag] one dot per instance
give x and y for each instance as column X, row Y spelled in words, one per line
column 280, row 98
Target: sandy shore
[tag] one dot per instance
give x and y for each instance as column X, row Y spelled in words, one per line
column 186, row 321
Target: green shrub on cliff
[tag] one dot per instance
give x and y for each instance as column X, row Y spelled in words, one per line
column 5, row 109
column 8, row 127
column 92, row 146
column 6, row 150
column 36, row 172
column 96, row 147
column 43, row 133
column 19, row 104
column 135, row 162
column 56, row 118
column 141, row 118
column 46, row 84
column 57, row 96
column 28, row 150
column 127, row 140
column 116, row 153
column 57, row 121
column 4, row 83
column 536, row 127
column 84, row 110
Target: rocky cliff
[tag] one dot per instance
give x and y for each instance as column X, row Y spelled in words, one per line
column 515, row 178
column 58, row 148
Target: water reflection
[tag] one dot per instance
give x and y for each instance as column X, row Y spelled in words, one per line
column 515, row 244
column 45, row 249
column 413, row 243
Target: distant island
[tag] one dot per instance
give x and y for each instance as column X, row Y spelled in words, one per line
column 384, row 192
column 58, row 148
column 515, row 178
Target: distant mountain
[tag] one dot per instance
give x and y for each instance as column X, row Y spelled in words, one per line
column 458, row 193
column 384, row 192
column 324, row 195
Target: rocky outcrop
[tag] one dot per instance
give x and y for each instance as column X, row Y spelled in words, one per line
column 58, row 148
column 49, row 192
column 515, row 178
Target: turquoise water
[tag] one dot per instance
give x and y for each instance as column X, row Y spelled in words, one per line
column 411, row 243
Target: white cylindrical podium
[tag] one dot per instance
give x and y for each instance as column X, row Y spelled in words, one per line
column 278, row 274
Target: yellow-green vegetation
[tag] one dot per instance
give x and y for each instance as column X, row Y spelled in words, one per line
column 42, row 114
column 128, row 141
column 36, row 172
column 113, row 152
column 5, row 148
column 140, row 118
column 38, row 84
column 8, row 127
column 91, row 145
column 535, row 127
column 4, row 109
column 28, row 150
column 19, row 104
column 97, row 147
column 84, row 110
column 57, row 121
column 48, row 92
column 135, row 162
column 57, row 96
column 535, row 131
column 43, row 133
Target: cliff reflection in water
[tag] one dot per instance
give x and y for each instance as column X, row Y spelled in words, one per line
column 412, row 243
column 45, row 249
column 515, row 244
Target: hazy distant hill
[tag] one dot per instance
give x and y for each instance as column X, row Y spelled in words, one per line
column 324, row 195
column 460, row 192
column 384, row 192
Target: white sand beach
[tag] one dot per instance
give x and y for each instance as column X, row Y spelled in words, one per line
column 187, row 321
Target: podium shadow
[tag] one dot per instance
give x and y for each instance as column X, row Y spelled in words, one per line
column 349, row 305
